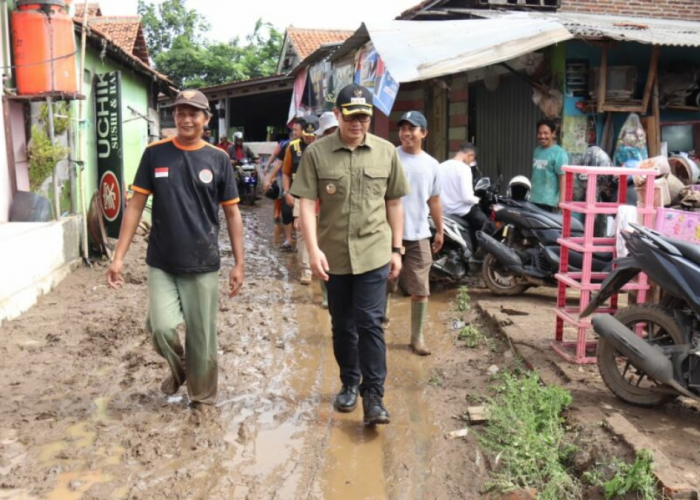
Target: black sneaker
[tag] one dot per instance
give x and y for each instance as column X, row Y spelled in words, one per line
column 346, row 400
column 375, row 413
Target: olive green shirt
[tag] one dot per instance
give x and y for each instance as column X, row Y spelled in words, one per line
column 353, row 230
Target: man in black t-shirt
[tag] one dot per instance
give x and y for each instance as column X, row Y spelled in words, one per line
column 189, row 179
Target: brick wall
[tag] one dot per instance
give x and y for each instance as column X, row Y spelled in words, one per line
column 687, row 10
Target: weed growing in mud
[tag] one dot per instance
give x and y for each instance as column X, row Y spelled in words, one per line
column 435, row 380
column 636, row 478
column 473, row 337
column 463, row 300
column 526, row 432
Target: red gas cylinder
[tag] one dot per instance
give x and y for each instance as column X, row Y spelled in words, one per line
column 43, row 44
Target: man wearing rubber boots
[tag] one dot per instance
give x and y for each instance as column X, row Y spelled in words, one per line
column 359, row 180
column 422, row 172
column 189, row 179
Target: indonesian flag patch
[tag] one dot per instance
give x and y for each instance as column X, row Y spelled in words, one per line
column 162, row 172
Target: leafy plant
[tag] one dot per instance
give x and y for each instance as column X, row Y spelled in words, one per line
column 43, row 157
column 526, row 431
column 636, row 478
column 463, row 300
column 471, row 335
column 61, row 116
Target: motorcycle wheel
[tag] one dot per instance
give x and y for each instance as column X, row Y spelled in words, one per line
column 624, row 380
column 499, row 281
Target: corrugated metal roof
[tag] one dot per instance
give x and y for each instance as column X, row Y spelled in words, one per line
column 422, row 50
column 626, row 29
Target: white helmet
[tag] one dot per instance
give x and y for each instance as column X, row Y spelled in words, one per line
column 237, row 135
column 519, row 188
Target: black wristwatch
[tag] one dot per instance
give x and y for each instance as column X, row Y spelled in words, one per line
column 398, row 250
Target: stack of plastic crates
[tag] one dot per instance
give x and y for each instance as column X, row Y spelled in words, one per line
column 582, row 350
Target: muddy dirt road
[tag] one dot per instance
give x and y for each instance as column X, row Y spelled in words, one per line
column 83, row 417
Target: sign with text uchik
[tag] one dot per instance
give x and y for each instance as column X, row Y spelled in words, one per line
column 110, row 154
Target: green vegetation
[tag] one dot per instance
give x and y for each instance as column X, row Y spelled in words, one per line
column 435, row 380
column 463, row 300
column 61, row 116
column 43, row 157
column 526, row 432
column 636, row 478
column 179, row 49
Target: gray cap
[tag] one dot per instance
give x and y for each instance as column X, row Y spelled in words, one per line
column 415, row 118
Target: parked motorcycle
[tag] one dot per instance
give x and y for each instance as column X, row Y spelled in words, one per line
column 457, row 259
column 525, row 252
column 247, row 180
column 649, row 354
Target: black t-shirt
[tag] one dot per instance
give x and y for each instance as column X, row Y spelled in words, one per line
column 188, row 185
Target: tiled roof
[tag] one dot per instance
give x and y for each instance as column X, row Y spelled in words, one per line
column 93, row 10
column 124, row 31
column 307, row 41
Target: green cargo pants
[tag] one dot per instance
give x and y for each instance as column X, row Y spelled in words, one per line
column 192, row 299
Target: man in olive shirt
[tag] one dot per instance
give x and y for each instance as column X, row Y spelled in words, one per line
column 359, row 180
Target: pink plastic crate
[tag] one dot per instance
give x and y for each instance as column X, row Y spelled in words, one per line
column 679, row 224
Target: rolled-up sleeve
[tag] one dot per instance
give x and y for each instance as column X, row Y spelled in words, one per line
column 397, row 186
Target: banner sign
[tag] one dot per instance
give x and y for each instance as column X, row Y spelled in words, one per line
column 370, row 72
column 110, row 154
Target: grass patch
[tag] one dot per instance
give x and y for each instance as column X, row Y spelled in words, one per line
column 526, row 433
column 636, row 478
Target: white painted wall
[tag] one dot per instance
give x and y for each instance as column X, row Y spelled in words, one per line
column 36, row 256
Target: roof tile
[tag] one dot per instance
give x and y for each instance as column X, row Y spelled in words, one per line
column 307, row 41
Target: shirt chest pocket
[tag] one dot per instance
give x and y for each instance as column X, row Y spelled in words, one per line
column 374, row 182
column 333, row 186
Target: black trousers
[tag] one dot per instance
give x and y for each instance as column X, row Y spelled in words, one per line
column 476, row 220
column 356, row 303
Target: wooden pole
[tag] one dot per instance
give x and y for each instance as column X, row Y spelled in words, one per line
column 80, row 164
column 651, row 77
column 54, row 181
column 603, row 80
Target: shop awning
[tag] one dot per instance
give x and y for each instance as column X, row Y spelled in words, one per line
column 422, row 50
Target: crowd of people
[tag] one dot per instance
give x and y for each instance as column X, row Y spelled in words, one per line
column 360, row 208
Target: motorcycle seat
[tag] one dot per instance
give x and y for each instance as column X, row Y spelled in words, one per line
column 688, row 250
column 457, row 219
column 558, row 218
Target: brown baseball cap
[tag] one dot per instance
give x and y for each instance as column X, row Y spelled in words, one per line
column 192, row 98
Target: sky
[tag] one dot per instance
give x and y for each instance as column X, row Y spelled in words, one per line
column 231, row 18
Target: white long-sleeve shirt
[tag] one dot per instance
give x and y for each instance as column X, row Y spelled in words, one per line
column 457, row 194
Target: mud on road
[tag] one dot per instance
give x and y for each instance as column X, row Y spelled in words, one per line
column 83, row 416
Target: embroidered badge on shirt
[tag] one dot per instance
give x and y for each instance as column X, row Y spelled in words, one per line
column 331, row 189
column 162, row 172
column 206, row 176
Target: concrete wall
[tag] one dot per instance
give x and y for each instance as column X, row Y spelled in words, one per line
column 5, row 190
column 135, row 92
column 36, row 256
column 687, row 10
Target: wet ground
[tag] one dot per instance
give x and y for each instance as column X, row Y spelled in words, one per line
column 83, row 417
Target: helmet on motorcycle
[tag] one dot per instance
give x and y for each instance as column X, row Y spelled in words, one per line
column 237, row 136
column 519, row 188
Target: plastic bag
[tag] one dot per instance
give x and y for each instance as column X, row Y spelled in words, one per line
column 632, row 141
column 626, row 214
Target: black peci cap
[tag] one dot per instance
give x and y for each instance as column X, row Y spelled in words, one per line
column 355, row 99
column 310, row 125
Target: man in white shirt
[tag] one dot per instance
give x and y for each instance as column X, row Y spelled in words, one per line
column 458, row 190
column 422, row 172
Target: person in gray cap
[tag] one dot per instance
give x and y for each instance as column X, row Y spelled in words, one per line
column 190, row 180
column 422, row 172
